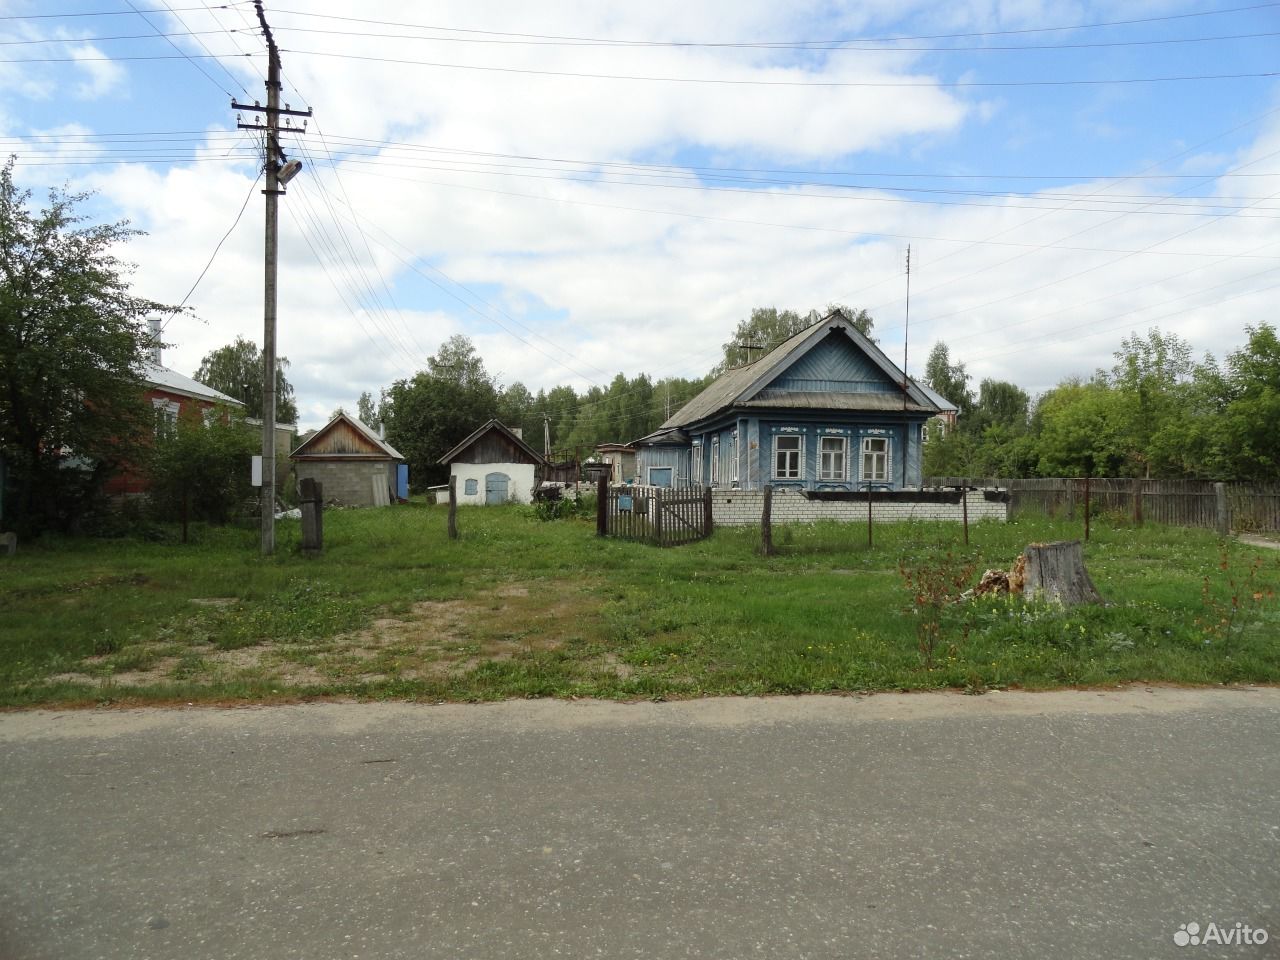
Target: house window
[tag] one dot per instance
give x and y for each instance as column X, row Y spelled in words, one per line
column 166, row 415
column 832, row 465
column 471, row 487
column 695, row 469
column 788, row 457
column 715, row 461
column 660, row 477
column 875, row 459
column 733, row 453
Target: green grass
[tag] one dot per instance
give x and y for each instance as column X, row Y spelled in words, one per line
column 518, row 607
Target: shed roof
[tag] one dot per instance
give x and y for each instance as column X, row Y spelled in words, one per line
column 368, row 445
column 739, row 387
column 502, row 430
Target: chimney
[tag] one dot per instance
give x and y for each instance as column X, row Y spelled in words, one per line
column 382, row 431
column 518, row 431
column 153, row 327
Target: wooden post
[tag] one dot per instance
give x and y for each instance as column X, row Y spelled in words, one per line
column 1086, row 508
column 453, row 506
column 312, row 516
column 1224, row 514
column 964, row 500
column 656, row 507
column 1137, row 501
column 602, row 506
column 766, row 522
column 868, row 516
column 708, row 511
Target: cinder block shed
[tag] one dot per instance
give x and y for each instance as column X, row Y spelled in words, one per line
column 355, row 465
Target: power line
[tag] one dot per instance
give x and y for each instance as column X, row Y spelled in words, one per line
column 802, row 44
column 213, row 256
column 638, row 45
column 182, row 52
column 765, row 223
column 178, row 16
column 721, row 81
column 115, row 13
column 197, row 135
column 819, row 84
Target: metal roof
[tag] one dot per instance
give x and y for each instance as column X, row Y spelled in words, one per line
column 165, row 379
column 738, row 387
column 939, row 401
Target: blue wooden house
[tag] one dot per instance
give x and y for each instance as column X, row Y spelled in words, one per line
column 824, row 411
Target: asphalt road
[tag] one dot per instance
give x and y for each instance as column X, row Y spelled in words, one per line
column 1078, row 824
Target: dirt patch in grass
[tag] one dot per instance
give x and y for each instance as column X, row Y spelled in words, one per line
column 431, row 640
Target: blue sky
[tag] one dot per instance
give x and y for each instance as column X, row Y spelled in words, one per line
column 587, row 188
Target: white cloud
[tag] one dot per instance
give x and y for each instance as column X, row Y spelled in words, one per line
column 599, row 277
column 101, row 76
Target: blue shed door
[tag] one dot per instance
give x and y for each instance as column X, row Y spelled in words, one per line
column 402, row 481
column 495, row 488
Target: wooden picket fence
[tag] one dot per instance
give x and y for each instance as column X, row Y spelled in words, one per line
column 663, row 517
column 1239, row 507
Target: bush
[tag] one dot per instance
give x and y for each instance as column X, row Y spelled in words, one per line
column 202, row 467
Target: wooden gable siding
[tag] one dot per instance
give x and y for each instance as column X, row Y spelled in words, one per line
column 493, row 447
column 342, row 440
column 833, row 366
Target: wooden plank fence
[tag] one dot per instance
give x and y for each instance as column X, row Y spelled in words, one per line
column 1239, row 507
column 664, row 517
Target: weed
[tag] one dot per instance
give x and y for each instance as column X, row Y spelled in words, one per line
column 935, row 584
column 1236, row 603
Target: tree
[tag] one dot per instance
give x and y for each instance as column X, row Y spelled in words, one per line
column 948, row 379
column 766, row 328
column 434, row 410
column 236, row 370
column 199, row 467
column 366, row 411
column 1252, row 410
column 72, row 351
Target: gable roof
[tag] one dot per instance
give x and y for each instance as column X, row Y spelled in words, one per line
column 739, row 387
column 499, row 428
column 375, row 446
column 162, row 378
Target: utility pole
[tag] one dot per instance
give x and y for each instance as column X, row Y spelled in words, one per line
column 906, row 327
column 748, row 347
column 546, row 436
column 278, row 171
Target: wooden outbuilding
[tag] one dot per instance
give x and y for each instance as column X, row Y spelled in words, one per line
column 494, row 465
column 356, row 467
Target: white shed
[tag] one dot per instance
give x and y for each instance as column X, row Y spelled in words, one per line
column 494, row 465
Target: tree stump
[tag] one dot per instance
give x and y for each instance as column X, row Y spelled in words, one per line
column 1055, row 571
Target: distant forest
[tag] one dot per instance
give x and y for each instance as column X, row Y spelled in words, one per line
column 1155, row 411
